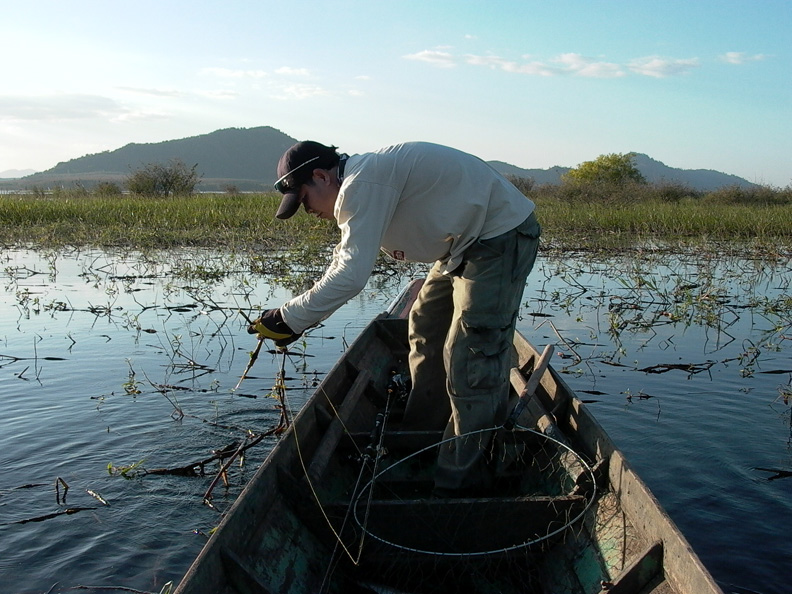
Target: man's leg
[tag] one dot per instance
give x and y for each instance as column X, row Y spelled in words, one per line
column 428, row 407
column 487, row 296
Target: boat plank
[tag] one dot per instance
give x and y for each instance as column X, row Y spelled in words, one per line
column 243, row 579
column 338, row 427
column 463, row 526
column 645, row 568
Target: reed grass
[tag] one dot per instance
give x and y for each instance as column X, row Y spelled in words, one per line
column 618, row 217
column 666, row 221
column 238, row 222
column 247, row 221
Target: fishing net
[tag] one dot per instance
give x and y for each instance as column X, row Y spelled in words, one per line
column 540, row 488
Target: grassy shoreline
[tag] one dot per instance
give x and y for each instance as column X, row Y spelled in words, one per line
column 247, row 222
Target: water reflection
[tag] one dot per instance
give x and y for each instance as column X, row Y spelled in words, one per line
column 116, row 364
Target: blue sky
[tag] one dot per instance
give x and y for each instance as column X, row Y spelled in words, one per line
column 695, row 84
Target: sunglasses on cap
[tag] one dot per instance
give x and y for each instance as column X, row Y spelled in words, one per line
column 282, row 187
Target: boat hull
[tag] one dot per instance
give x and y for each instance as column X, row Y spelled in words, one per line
column 344, row 501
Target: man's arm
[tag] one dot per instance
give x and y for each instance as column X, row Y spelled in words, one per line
column 363, row 211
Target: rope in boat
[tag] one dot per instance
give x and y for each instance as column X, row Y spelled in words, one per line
column 365, row 457
column 377, row 457
column 316, row 495
column 354, row 557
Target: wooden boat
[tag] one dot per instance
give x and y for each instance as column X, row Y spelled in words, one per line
column 343, row 504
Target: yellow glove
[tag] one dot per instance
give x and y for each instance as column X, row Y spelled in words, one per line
column 271, row 325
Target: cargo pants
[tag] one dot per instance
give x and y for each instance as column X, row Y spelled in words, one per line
column 461, row 330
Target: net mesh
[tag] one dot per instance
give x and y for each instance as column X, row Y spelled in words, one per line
column 541, row 488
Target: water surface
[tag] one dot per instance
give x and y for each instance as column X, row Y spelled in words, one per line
column 125, row 359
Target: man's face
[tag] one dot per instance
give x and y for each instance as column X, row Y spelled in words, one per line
column 319, row 198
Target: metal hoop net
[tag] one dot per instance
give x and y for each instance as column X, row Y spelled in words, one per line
column 541, row 488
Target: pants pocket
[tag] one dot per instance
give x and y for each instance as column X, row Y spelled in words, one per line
column 485, row 351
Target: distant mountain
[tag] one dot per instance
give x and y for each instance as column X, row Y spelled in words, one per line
column 541, row 177
column 16, row 173
column 247, row 159
column 244, row 157
column 698, row 179
column 653, row 171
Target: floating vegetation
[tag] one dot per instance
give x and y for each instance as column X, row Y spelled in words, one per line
column 640, row 296
column 97, row 496
column 154, row 343
column 785, row 392
column 129, row 471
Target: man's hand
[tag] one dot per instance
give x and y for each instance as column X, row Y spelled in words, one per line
column 271, row 325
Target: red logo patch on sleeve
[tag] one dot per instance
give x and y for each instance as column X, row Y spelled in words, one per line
column 398, row 255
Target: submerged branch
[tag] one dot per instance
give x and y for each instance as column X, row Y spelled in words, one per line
column 196, row 468
column 691, row 368
column 778, row 473
column 68, row 511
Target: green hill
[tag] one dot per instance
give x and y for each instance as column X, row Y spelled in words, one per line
column 246, row 158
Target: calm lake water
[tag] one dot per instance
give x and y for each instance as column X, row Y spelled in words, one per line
column 686, row 363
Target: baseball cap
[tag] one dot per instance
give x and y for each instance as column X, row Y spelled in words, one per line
column 296, row 168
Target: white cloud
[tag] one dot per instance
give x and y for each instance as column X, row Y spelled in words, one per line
column 530, row 68
column 233, row 73
column 153, row 92
column 435, row 57
column 218, row 94
column 582, row 66
column 741, row 58
column 658, row 67
column 496, row 62
column 140, row 115
column 58, row 107
column 288, row 71
column 301, row 91
column 490, row 61
column 569, row 63
column 564, row 64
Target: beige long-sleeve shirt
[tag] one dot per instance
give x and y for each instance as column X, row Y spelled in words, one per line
column 416, row 201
